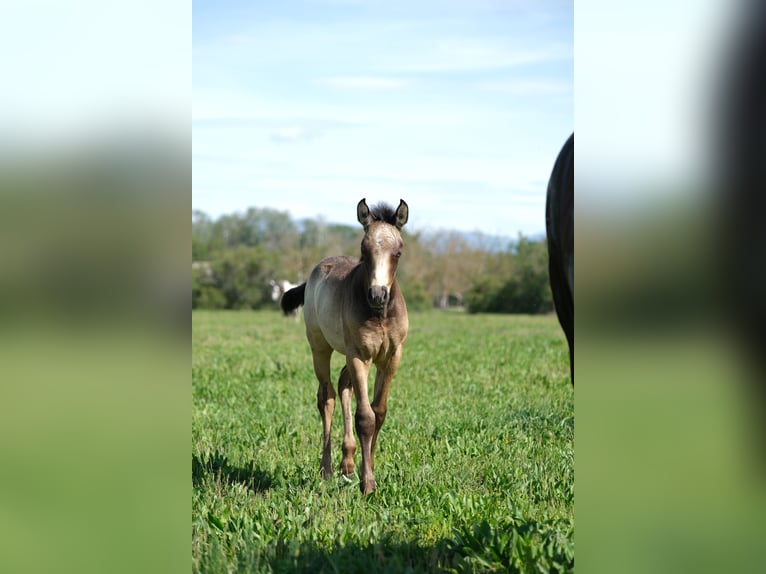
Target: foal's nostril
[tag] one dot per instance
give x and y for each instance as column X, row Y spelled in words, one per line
column 377, row 296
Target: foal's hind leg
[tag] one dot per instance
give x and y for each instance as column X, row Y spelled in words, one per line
column 325, row 403
column 346, row 390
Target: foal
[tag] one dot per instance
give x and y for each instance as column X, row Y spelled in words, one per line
column 355, row 307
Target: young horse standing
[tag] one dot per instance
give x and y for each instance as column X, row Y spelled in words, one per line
column 355, row 307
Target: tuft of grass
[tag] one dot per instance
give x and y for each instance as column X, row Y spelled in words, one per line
column 474, row 465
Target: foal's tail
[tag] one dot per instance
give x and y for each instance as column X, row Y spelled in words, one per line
column 293, row 298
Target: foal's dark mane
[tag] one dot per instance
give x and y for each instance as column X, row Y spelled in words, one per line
column 383, row 212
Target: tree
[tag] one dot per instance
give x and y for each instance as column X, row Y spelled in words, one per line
column 243, row 275
column 202, row 234
column 523, row 288
column 237, row 254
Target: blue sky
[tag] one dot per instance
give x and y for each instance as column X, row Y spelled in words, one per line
column 307, row 106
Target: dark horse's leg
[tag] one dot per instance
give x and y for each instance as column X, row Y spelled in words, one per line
column 564, row 304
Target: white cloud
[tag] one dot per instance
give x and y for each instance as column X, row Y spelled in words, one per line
column 294, row 134
column 466, row 54
column 529, row 87
column 220, row 103
column 366, row 82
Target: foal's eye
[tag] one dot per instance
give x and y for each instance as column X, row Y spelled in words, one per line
column 398, row 254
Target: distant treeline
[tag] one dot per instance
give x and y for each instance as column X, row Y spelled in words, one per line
column 235, row 256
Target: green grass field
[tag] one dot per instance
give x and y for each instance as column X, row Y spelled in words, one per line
column 474, row 465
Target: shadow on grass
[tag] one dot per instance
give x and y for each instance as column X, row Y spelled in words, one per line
column 508, row 547
column 288, row 556
column 218, row 465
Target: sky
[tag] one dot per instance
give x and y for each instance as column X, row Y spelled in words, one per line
column 458, row 107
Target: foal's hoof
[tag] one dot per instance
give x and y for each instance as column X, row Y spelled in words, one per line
column 326, row 472
column 347, row 468
column 367, row 487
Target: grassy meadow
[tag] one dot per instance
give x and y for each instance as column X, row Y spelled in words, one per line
column 474, row 464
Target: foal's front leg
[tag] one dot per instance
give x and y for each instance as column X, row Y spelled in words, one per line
column 385, row 373
column 364, row 419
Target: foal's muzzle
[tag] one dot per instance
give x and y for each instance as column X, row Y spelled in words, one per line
column 377, row 297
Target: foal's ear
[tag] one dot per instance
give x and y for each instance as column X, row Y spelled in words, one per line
column 402, row 214
column 363, row 213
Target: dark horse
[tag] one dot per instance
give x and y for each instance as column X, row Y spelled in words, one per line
column 355, row 307
column 559, row 224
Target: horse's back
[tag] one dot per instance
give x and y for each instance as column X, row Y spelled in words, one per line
column 323, row 302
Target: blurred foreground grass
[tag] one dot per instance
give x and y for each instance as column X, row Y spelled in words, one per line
column 669, row 467
column 93, row 424
column 94, row 356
